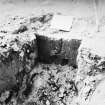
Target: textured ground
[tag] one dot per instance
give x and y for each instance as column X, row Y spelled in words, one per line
column 55, row 83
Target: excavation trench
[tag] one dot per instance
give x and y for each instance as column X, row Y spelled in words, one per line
column 41, row 72
column 34, row 68
column 58, row 51
column 43, row 66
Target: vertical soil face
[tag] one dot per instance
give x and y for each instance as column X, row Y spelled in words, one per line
column 9, row 67
column 48, row 49
column 57, row 50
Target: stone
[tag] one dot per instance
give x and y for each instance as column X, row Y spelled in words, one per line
column 62, row 22
column 22, row 28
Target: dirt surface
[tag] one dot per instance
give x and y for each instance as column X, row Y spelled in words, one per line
column 52, row 84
